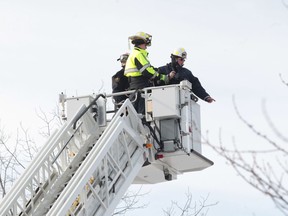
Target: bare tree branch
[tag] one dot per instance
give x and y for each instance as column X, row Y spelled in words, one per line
column 285, row 3
column 13, row 156
column 12, row 153
column 271, row 124
column 129, row 202
column 251, row 127
column 189, row 208
column 265, row 170
column 46, row 130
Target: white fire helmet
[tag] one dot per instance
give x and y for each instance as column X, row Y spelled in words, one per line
column 123, row 58
column 180, row 52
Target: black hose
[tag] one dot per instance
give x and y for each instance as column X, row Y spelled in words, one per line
column 153, row 134
column 87, row 108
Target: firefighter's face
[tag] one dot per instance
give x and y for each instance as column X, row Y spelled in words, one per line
column 143, row 46
column 180, row 61
column 123, row 63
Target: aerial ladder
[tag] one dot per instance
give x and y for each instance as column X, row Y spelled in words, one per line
column 89, row 163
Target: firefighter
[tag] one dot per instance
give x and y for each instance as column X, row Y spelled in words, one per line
column 138, row 69
column 178, row 58
column 120, row 81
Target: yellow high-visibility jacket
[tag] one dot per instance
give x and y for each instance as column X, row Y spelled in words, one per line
column 140, row 71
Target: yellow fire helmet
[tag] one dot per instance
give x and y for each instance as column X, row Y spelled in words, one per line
column 139, row 36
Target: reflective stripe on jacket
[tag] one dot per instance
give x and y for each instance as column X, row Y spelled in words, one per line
column 138, row 65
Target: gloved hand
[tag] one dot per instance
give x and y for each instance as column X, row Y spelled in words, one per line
column 171, row 75
column 209, row 99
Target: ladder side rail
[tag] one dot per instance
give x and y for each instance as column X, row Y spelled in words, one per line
column 85, row 129
column 127, row 173
column 121, row 184
column 81, row 179
column 78, row 148
column 19, row 182
column 17, row 191
column 93, row 198
column 26, row 181
column 101, row 146
column 59, row 185
column 124, row 120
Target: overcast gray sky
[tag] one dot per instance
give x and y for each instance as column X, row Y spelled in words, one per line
column 235, row 47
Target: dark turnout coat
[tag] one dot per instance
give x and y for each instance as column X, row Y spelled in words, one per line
column 119, row 84
column 184, row 74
